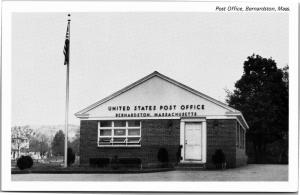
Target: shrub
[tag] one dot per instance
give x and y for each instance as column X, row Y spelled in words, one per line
column 24, row 162
column 219, row 159
column 163, row 157
column 70, row 157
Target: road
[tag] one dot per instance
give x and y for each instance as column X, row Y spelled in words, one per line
column 246, row 173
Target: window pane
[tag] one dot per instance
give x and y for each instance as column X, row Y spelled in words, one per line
column 104, row 141
column 120, row 123
column 133, row 140
column 105, row 132
column 241, row 137
column 133, row 123
column 105, row 124
column 120, row 132
column 134, row 132
column 121, row 140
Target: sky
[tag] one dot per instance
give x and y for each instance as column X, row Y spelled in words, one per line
column 109, row 51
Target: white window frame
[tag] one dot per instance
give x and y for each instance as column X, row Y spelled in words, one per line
column 243, row 137
column 237, row 136
column 126, row 136
column 240, row 136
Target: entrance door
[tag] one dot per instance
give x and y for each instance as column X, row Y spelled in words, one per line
column 192, row 141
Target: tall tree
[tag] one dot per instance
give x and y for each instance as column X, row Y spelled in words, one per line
column 261, row 95
column 57, row 144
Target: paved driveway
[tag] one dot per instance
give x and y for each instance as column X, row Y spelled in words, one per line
column 247, row 173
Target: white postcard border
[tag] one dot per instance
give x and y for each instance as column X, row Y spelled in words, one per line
column 17, row 6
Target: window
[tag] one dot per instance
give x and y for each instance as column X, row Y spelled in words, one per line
column 237, row 141
column 240, row 136
column 243, row 137
column 119, row 133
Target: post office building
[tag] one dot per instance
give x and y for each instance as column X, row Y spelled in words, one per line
column 158, row 120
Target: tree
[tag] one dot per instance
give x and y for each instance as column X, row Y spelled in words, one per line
column 261, row 95
column 39, row 143
column 20, row 136
column 58, row 144
column 75, row 144
column 285, row 78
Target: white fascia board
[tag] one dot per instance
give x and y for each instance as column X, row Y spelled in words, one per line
column 236, row 117
column 127, row 118
column 246, row 126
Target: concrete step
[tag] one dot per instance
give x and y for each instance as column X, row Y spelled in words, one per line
column 190, row 166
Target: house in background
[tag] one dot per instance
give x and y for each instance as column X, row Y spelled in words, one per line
column 19, row 146
column 158, row 119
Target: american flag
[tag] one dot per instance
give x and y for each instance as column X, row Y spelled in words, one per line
column 67, row 45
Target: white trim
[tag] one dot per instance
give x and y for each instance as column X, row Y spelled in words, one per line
column 141, row 133
column 220, row 117
column 120, row 146
column 128, row 118
column 241, row 115
column 193, row 119
column 244, row 139
column 195, row 92
column 112, row 136
column 236, row 134
column 204, row 141
column 239, row 130
column 241, row 124
column 126, row 129
column 98, row 135
column 166, row 118
column 228, row 117
column 182, row 140
column 247, row 126
column 240, row 137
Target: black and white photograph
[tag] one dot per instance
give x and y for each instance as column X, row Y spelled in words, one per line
column 149, row 96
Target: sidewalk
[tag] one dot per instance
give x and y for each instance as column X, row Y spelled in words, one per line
column 251, row 172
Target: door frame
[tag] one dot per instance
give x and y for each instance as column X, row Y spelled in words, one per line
column 203, row 139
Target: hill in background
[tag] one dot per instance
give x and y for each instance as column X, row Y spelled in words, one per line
column 50, row 130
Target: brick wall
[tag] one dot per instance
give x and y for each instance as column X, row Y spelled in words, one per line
column 155, row 135
column 221, row 135
column 241, row 157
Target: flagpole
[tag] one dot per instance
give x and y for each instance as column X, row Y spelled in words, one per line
column 67, row 99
